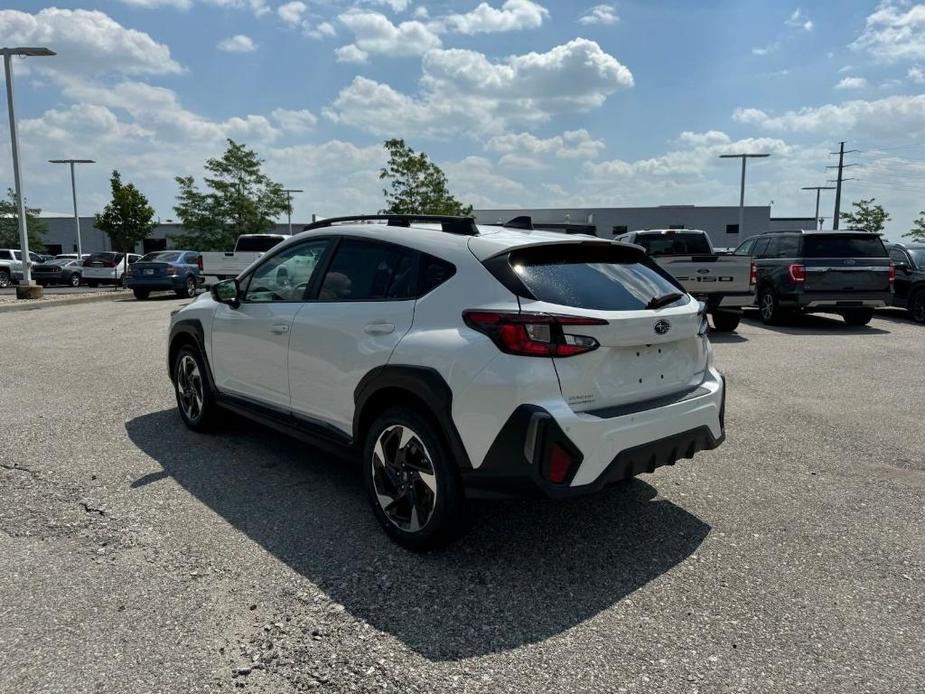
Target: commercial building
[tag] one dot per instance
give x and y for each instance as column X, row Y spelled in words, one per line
column 721, row 223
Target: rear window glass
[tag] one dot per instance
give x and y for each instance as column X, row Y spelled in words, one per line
column 111, row 257
column 607, row 279
column 674, row 244
column 832, row 246
column 161, row 257
column 257, row 244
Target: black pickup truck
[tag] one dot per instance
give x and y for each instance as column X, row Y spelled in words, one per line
column 843, row 272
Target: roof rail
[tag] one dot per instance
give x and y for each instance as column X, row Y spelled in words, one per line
column 463, row 226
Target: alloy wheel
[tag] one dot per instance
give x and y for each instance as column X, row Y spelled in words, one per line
column 75, row 280
column 189, row 387
column 767, row 306
column 918, row 307
column 404, row 478
column 4, row 280
column 191, row 287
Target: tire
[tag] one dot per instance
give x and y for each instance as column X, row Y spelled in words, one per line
column 74, row 280
column 141, row 294
column 92, row 283
column 917, row 306
column 5, row 279
column 195, row 401
column 400, row 492
column 858, row 317
column 726, row 321
column 189, row 290
column 768, row 307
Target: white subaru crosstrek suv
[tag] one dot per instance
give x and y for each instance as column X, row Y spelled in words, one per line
column 457, row 361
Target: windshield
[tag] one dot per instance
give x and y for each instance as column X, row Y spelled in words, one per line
column 608, row 279
column 843, row 246
column 674, row 243
column 256, row 244
column 161, row 257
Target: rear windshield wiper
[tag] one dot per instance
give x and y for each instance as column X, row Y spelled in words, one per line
column 664, row 300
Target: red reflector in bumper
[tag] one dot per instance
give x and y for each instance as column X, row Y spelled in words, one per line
column 560, row 464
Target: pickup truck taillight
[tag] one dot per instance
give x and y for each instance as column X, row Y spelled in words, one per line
column 797, row 272
column 753, row 275
column 891, row 274
column 199, row 262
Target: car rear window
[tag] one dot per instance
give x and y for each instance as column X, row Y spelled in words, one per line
column 607, row 278
column 674, row 243
column 111, row 257
column 838, row 246
column 161, row 257
column 256, row 244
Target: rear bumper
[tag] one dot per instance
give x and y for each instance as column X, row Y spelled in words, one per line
column 606, row 449
column 837, row 301
column 153, row 283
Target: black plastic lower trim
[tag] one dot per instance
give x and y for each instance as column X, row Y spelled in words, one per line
column 663, row 401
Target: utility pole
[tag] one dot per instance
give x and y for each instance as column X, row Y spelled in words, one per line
column 839, row 180
column 289, row 192
column 74, row 196
column 818, row 189
column 30, row 291
column 743, row 157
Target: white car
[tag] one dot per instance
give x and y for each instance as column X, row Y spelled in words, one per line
column 106, row 267
column 457, row 361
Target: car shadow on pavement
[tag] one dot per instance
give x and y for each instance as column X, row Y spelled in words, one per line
column 525, row 572
column 813, row 324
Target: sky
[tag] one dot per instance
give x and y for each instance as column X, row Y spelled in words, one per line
column 523, row 103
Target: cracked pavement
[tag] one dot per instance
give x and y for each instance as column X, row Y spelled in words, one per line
column 141, row 557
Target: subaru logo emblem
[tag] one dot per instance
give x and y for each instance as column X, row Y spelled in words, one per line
column 662, row 327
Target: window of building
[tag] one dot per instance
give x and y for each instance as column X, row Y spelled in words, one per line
column 676, row 226
column 732, row 228
column 618, row 230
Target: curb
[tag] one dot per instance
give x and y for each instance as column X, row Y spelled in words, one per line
column 27, row 305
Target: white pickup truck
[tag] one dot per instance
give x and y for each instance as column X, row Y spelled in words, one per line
column 725, row 283
column 216, row 266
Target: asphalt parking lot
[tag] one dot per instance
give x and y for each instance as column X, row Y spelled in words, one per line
column 141, row 557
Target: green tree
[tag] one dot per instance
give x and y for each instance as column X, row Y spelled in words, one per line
column 867, row 216
column 9, row 224
column 240, row 199
column 127, row 218
column 416, row 184
column 917, row 232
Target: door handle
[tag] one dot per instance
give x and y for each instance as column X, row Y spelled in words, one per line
column 379, row 328
column 279, row 328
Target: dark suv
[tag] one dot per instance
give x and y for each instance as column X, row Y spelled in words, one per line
column 844, row 272
column 909, row 260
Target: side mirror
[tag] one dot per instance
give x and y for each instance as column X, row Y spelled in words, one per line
column 227, row 292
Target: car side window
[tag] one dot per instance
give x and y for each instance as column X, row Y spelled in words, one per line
column 745, row 248
column 897, row 256
column 761, row 248
column 370, row 271
column 286, row 276
column 787, row 247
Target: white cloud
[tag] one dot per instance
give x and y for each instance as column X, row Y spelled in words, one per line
column 323, row 30
column 892, row 115
column 525, row 149
column 291, row 12
column 396, row 5
column 765, row 50
column 148, row 4
column 350, row 54
column 599, row 14
column 513, row 15
column 258, row 7
column 88, row 42
column 464, row 91
column 852, row 83
column 476, row 181
column 295, row 121
column 894, row 31
column 705, row 139
column 799, row 20
column 374, row 33
column 916, row 75
column 239, row 43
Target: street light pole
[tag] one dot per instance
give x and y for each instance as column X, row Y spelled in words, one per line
column 818, row 189
column 743, row 157
column 8, row 54
column 289, row 192
column 74, row 195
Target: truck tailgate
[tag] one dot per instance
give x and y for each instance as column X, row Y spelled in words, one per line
column 702, row 275
column 228, row 263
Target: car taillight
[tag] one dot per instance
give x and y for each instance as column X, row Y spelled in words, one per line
column 797, row 272
column 891, row 273
column 533, row 334
column 753, row 276
column 199, row 262
column 171, row 270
